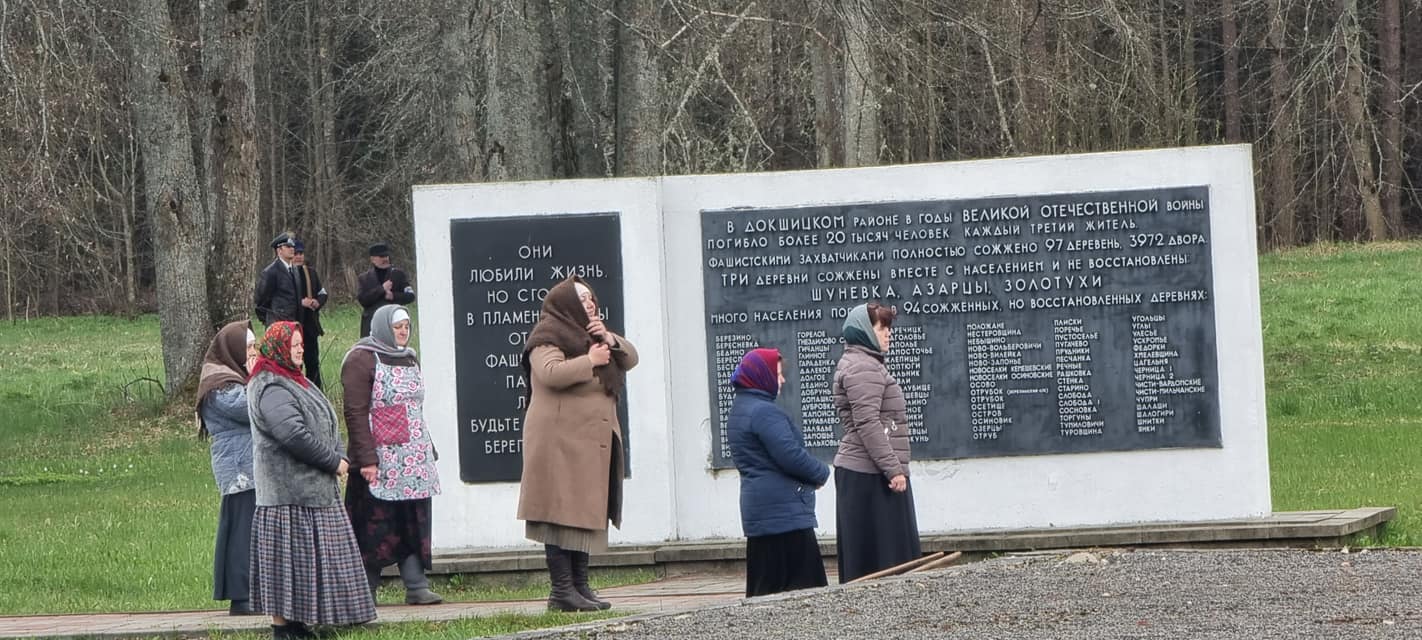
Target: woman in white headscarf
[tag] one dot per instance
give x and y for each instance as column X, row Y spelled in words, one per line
column 389, row 505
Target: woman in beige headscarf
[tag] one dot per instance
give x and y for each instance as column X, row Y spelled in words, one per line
column 223, row 420
column 572, row 441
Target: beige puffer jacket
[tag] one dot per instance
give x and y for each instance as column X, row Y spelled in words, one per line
column 872, row 411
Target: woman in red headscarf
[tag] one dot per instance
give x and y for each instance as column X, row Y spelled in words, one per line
column 306, row 567
column 778, row 482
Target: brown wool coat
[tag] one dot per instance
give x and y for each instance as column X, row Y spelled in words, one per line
column 569, row 436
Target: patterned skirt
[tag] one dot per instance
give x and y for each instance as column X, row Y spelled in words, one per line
column 388, row 531
column 306, row 567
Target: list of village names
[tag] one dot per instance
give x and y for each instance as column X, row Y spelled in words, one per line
column 1035, row 324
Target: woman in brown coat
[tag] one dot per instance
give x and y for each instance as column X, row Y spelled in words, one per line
column 572, row 441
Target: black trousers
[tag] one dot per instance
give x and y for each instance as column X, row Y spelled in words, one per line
column 312, row 357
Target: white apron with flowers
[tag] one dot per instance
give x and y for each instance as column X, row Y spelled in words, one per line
column 402, row 443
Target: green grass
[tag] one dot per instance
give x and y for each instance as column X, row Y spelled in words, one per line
column 1343, row 359
column 498, row 624
column 107, row 503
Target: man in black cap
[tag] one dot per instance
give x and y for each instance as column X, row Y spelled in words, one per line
column 313, row 297
column 277, row 296
column 381, row 285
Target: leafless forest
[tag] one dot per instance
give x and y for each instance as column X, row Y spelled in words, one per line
column 148, row 148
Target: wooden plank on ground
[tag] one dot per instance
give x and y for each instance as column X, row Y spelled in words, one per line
column 939, row 563
column 898, row 568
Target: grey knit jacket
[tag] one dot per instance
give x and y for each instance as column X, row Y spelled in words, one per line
column 873, row 413
column 296, row 442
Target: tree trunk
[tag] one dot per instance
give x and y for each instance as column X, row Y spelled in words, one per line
column 1283, row 194
column 1229, row 36
column 1352, row 100
column 1390, row 106
column 639, row 92
column 236, row 181
column 461, row 126
column 519, row 122
column 827, row 88
column 174, row 199
column 861, row 88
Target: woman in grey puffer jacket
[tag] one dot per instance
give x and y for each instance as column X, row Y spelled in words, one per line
column 876, row 526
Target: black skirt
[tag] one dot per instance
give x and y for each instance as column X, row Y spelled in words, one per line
column 783, row 562
column 388, row 530
column 875, row 528
column 231, row 561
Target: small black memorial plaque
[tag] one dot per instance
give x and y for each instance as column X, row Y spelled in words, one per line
column 503, row 267
column 1037, row 324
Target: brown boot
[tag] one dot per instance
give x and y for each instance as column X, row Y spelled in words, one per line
column 580, row 580
column 564, row 597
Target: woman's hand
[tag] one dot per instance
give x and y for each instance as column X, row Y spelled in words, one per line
column 899, row 483
column 599, row 354
column 343, row 468
column 599, row 332
column 370, row 473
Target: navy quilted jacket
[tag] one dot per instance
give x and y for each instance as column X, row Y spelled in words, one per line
column 778, row 476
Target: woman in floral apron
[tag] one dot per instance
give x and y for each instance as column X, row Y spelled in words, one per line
column 390, row 444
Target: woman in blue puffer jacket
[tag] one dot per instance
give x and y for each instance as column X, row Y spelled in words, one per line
column 778, row 482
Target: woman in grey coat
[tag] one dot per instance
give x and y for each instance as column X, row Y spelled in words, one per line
column 307, row 568
column 222, row 418
column 876, row 526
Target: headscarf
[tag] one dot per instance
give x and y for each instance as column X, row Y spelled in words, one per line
column 563, row 323
column 859, row 329
column 759, row 369
column 275, row 347
column 381, row 340
column 224, row 363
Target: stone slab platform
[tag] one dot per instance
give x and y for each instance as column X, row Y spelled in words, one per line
column 1307, row 529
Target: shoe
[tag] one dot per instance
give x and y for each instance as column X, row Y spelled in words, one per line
column 242, row 608
column 292, row 631
column 422, row 596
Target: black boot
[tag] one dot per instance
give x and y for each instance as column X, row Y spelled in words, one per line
column 560, row 573
column 580, row 580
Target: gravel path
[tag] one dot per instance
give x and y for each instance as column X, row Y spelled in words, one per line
column 1100, row 595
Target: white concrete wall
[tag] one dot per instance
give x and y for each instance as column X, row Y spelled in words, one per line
column 675, row 495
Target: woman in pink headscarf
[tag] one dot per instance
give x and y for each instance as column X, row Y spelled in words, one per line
column 778, row 482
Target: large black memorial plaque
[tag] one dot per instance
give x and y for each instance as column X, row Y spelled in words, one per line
column 1027, row 325
column 503, row 268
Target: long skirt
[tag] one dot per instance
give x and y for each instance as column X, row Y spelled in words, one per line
column 388, row 531
column 875, row 527
column 306, row 567
column 783, row 562
column 231, row 561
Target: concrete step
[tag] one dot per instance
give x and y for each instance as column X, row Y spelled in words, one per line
column 1310, row 529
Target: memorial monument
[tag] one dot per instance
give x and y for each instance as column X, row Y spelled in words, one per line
column 1078, row 336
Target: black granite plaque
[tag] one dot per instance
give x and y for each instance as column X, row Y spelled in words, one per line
column 1037, row 324
column 503, row 267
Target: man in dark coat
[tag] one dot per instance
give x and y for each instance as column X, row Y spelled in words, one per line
column 277, row 296
column 313, row 297
column 381, row 285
